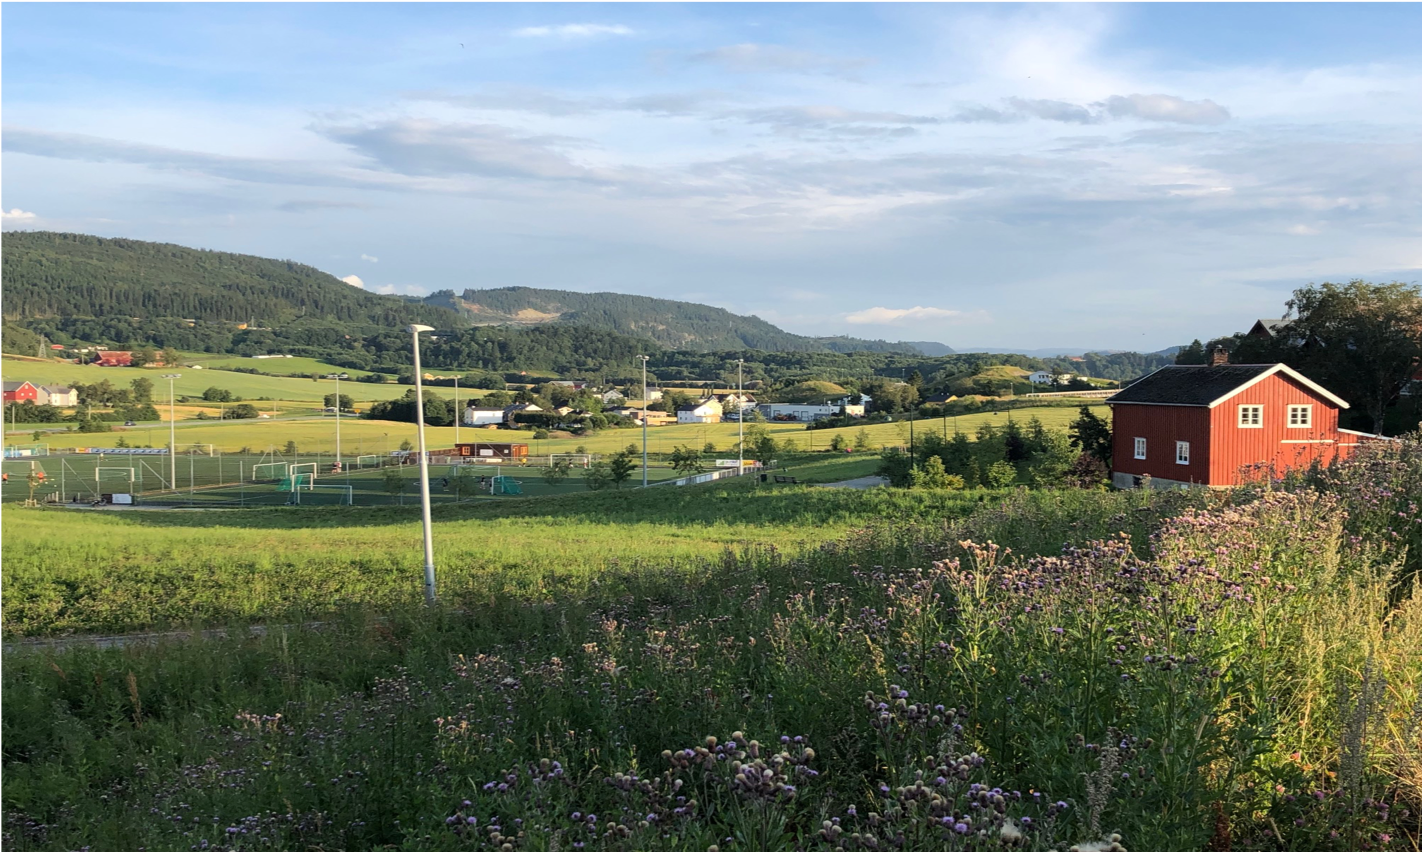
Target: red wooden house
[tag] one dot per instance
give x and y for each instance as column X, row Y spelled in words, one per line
column 21, row 392
column 1211, row 425
column 111, row 358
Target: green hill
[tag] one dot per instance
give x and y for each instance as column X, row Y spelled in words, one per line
column 673, row 324
column 50, row 274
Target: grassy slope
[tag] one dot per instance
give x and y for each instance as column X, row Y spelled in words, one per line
column 67, row 570
column 383, row 435
column 194, row 382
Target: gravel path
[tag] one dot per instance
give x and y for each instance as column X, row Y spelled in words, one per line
column 860, row 483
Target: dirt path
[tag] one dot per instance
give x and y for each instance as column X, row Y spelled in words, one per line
column 860, row 483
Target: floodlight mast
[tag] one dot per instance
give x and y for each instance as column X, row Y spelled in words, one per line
column 172, row 434
column 645, row 402
column 424, row 466
column 741, row 414
column 338, row 377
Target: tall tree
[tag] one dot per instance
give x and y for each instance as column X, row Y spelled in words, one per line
column 1360, row 340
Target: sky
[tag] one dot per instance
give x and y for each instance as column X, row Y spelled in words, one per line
column 1118, row 176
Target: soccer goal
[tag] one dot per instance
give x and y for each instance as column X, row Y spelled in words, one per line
column 583, row 460
column 270, row 471
column 111, row 476
column 25, row 451
column 302, row 470
column 346, row 493
column 368, row 461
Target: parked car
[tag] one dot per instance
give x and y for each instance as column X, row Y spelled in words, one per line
column 129, row 423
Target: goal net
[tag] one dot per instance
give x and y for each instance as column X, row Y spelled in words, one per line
column 582, row 460
column 270, row 471
column 367, row 461
column 345, row 494
column 304, row 473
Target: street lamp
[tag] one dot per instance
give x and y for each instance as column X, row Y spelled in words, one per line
column 424, row 467
column 458, row 415
column 645, row 401
column 338, row 377
column 172, row 434
column 741, row 414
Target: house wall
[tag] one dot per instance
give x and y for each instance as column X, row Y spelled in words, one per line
column 1161, row 426
column 1234, row 449
column 24, row 392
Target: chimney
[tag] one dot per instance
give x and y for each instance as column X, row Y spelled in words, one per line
column 1218, row 356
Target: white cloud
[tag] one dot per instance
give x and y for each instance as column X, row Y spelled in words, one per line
column 574, row 31
column 892, row 316
column 370, row 258
column 354, row 281
column 1304, row 230
column 16, row 215
column 761, row 58
column 1166, row 108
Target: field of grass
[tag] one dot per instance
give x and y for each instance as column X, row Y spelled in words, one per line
column 276, row 366
column 194, row 382
column 779, row 669
column 367, row 436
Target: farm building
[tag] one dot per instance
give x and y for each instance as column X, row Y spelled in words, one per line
column 1208, row 425
column 611, row 396
column 798, row 411
column 21, row 392
column 708, row 411
column 482, row 416
column 492, row 452
column 111, row 358
column 59, row 396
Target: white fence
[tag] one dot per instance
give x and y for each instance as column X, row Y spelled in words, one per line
column 1094, row 394
column 708, row 476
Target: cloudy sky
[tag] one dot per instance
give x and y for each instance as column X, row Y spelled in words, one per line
column 1015, row 176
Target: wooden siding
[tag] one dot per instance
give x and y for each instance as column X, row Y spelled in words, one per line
column 1234, row 450
column 1161, row 426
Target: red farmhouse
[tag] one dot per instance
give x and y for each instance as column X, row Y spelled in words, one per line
column 1207, row 425
column 110, row 358
column 20, row 392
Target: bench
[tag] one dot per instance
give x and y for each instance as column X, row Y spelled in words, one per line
column 787, row 480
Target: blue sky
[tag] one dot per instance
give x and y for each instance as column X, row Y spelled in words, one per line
column 1119, row 176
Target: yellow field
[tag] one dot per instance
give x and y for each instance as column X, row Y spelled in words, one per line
column 378, row 436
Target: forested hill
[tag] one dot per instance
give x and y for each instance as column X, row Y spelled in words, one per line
column 50, row 274
column 675, row 325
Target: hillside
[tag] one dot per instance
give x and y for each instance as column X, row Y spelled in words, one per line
column 51, row 274
column 673, row 324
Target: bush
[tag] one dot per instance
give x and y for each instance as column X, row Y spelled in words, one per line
column 932, row 475
column 540, row 434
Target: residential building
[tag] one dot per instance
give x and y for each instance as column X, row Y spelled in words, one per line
column 1212, row 425
column 611, row 396
column 706, row 411
column 518, row 408
column 803, row 412
column 59, row 396
column 1041, row 377
column 21, row 392
column 492, row 452
column 1268, row 327
column 575, row 385
column 482, row 416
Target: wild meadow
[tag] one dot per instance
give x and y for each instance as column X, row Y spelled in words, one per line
column 1032, row 670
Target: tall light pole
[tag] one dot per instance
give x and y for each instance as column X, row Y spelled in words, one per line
column 741, row 414
column 172, row 434
column 458, row 415
column 338, row 377
column 424, row 467
column 645, row 403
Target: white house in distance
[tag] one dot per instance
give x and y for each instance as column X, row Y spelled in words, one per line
column 482, row 416
column 797, row 411
column 59, row 396
column 1045, row 377
column 611, row 396
column 708, row 411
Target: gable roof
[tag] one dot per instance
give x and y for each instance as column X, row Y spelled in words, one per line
column 56, row 389
column 14, row 386
column 1205, row 386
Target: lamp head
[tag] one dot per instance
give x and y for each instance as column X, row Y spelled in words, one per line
column 416, row 329
column 172, row 376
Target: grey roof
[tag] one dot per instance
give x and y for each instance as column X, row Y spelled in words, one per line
column 1190, row 385
column 1270, row 327
column 56, row 389
column 14, row 386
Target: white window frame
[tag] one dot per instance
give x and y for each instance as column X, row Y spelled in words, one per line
column 1182, row 452
column 1251, row 417
column 1140, row 448
column 1305, row 422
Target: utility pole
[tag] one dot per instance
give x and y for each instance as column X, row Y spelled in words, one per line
column 172, row 434
column 338, row 377
column 424, row 468
column 458, row 415
column 741, row 415
column 645, row 403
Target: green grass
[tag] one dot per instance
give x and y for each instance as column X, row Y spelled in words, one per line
column 366, row 436
column 276, row 366
column 194, row 382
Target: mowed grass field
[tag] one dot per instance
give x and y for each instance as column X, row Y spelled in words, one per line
column 194, row 382
column 81, row 570
column 380, row 436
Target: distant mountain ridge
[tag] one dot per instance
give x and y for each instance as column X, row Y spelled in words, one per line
column 671, row 323
column 49, row 274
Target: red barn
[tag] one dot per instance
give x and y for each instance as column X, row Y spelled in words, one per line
column 110, row 358
column 1209, row 424
column 20, row 392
